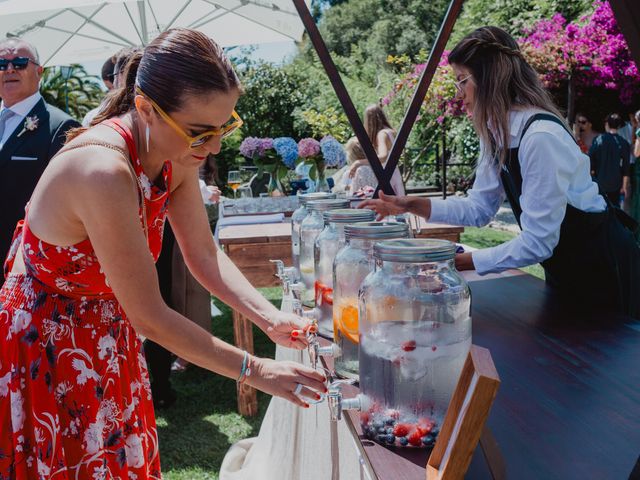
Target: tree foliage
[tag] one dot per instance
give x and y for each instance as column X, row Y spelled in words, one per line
column 77, row 94
column 514, row 15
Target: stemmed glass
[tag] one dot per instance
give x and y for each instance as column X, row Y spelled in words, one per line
column 234, row 180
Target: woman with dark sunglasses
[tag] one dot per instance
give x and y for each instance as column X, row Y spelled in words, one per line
column 529, row 156
column 82, row 291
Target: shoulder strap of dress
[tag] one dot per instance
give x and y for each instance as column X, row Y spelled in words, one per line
column 126, row 134
column 544, row 116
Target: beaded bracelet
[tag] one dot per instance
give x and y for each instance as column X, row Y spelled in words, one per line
column 245, row 371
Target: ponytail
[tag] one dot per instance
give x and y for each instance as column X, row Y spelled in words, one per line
column 119, row 100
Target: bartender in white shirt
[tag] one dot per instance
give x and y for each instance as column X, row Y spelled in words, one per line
column 566, row 225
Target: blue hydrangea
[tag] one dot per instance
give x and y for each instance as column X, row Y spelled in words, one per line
column 332, row 152
column 287, row 148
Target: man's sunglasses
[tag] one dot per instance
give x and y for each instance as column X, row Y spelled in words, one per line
column 19, row 63
column 204, row 137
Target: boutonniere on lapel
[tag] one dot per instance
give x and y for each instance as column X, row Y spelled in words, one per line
column 30, row 124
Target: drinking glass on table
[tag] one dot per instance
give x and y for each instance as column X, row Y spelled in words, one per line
column 245, row 192
column 234, row 180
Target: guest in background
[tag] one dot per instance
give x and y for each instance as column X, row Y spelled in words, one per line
column 31, row 132
column 634, row 210
column 584, row 132
column 609, row 154
column 628, row 132
column 107, row 79
column 382, row 136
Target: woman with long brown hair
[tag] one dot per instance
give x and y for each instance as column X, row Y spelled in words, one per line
column 529, row 155
column 382, row 135
column 81, row 286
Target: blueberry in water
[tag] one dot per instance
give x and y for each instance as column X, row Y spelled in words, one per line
column 389, row 430
column 391, row 438
column 382, row 430
column 389, row 420
column 377, row 424
column 427, row 440
column 403, row 441
column 435, row 432
column 381, row 438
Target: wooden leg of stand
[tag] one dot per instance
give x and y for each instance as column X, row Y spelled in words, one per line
column 492, row 455
column 243, row 335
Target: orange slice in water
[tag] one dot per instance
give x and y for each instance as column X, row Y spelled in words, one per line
column 349, row 323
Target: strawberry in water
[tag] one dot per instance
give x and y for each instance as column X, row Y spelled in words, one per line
column 415, row 438
column 424, row 426
column 402, row 429
column 409, row 346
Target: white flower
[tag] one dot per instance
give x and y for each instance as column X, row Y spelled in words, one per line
column 30, row 124
column 145, row 184
column 133, row 449
column 17, row 411
column 100, row 473
column 64, row 284
column 106, row 346
column 93, row 437
column 20, row 321
column 62, row 389
column 43, row 470
column 4, row 384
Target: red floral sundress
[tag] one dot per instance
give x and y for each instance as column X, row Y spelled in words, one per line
column 75, row 400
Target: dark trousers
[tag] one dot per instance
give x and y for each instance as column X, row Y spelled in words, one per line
column 159, row 358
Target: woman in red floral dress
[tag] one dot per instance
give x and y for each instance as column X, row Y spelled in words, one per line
column 80, row 287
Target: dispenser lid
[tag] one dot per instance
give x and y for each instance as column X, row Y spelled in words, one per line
column 327, row 204
column 414, row 250
column 348, row 215
column 377, row 230
column 307, row 197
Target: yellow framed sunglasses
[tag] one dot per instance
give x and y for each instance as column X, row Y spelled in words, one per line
column 199, row 140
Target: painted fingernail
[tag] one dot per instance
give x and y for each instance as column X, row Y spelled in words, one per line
column 317, row 397
column 295, row 333
column 306, row 405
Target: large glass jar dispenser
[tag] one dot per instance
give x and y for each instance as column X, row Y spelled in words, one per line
column 310, row 228
column 351, row 265
column 296, row 220
column 327, row 245
column 415, row 334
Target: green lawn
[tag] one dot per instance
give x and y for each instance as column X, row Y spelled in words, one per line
column 197, row 431
column 199, row 428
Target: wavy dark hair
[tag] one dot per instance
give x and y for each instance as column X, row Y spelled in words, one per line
column 504, row 82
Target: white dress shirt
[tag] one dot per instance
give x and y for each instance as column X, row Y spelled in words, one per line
column 20, row 111
column 554, row 173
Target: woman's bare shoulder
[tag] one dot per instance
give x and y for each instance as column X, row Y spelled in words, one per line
column 99, row 150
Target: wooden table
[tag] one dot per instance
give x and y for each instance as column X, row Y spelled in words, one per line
column 251, row 247
column 569, row 402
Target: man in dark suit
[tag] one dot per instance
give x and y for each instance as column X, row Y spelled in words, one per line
column 31, row 132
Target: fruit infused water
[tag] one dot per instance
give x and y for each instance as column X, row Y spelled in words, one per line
column 298, row 217
column 327, row 245
column 351, row 265
column 415, row 335
column 310, row 228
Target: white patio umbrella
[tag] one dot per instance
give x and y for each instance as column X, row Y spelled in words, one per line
column 77, row 31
